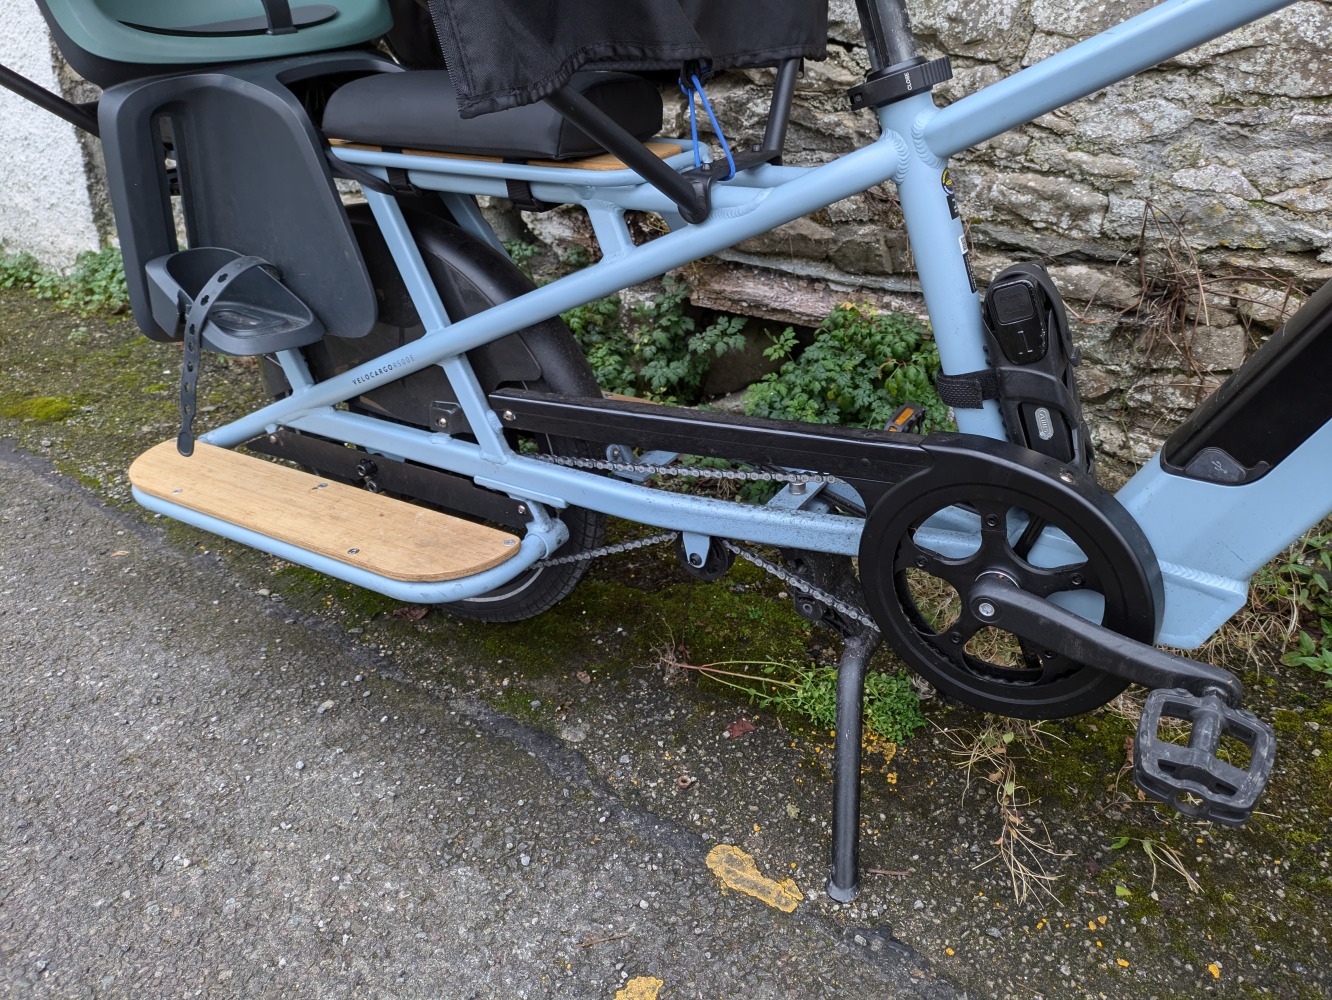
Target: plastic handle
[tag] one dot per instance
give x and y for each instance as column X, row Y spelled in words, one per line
column 279, row 17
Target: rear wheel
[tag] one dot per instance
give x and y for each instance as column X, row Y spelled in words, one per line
column 470, row 277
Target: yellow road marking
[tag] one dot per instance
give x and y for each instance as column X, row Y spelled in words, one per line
column 738, row 871
column 640, row 988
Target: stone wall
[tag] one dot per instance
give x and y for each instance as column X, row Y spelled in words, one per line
column 1181, row 212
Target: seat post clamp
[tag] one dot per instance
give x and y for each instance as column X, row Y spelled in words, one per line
column 902, row 80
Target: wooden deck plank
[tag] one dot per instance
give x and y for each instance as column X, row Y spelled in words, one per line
column 370, row 531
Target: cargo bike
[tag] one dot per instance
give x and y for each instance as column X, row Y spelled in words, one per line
column 447, row 442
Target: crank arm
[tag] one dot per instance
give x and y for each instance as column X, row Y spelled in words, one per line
column 996, row 601
column 1198, row 780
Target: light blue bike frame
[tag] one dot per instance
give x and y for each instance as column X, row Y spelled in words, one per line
column 1209, row 539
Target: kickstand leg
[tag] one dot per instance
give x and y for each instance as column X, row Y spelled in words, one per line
column 858, row 647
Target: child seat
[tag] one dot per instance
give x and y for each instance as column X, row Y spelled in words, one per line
column 111, row 41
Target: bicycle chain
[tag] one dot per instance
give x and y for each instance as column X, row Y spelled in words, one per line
column 804, row 586
column 608, row 550
column 785, row 576
column 603, row 465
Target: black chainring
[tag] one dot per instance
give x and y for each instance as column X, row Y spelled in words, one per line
column 992, row 508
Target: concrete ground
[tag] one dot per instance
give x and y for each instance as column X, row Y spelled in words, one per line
column 207, row 795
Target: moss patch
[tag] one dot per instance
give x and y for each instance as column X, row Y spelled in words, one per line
column 43, row 409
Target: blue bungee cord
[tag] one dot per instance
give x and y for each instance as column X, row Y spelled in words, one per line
column 689, row 89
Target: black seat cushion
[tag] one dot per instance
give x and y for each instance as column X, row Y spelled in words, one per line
column 418, row 109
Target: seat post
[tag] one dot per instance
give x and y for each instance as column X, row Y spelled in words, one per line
column 887, row 33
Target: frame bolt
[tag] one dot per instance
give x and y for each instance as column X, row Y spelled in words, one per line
column 1066, row 477
column 522, row 508
column 695, row 559
column 443, row 421
column 1076, row 580
column 986, row 610
column 508, row 415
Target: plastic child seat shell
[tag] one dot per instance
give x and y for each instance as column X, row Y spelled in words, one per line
column 97, row 39
column 253, row 178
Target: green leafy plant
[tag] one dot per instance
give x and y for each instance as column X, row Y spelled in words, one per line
column 1306, row 581
column 862, row 366
column 95, row 284
column 660, row 353
column 892, row 708
column 522, row 253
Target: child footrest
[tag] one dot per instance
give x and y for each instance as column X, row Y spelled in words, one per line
column 368, row 530
column 241, row 304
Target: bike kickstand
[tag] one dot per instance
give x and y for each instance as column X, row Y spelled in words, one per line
column 858, row 647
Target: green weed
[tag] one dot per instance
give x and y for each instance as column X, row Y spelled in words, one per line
column 659, row 353
column 892, row 709
column 95, row 284
column 862, row 366
column 1305, row 579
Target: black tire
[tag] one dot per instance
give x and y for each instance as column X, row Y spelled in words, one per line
column 471, row 277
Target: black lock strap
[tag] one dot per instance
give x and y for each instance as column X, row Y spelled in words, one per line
column 968, row 391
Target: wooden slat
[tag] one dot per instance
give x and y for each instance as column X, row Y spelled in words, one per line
column 603, row 161
column 368, row 530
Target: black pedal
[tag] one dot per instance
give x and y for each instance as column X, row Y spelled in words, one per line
column 1031, row 345
column 907, row 420
column 1192, row 779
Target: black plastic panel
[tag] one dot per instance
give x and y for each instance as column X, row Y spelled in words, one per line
column 1273, row 404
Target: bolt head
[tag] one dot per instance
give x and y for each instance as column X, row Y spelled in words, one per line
column 508, row 415
column 695, row 559
column 986, row 610
column 443, row 421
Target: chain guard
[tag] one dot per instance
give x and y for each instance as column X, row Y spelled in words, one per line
column 985, row 507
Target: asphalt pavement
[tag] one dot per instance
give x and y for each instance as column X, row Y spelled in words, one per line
column 203, row 793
